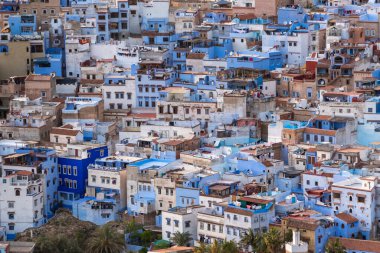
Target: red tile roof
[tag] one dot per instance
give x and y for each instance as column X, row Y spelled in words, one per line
column 346, row 218
column 34, row 77
column 64, row 131
column 196, row 56
column 318, row 131
column 359, row 245
column 238, row 211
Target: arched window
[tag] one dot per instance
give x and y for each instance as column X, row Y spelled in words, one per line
column 17, row 192
column 350, row 198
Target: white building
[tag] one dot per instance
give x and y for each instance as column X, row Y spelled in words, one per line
column 21, row 202
column 181, row 219
column 356, row 196
column 120, row 95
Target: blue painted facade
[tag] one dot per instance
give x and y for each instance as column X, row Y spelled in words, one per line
column 291, row 14
column 148, row 85
column 22, row 24
column 52, row 63
column 256, row 60
column 346, row 229
column 73, row 174
column 95, row 210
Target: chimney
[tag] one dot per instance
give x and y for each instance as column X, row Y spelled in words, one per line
column 296, row 237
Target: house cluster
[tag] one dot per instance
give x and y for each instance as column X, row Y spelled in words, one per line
column 206, row 117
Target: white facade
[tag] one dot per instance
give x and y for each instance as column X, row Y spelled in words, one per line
column 180, row 219
column 356, row 197
column 120, row 96
column 21, row 202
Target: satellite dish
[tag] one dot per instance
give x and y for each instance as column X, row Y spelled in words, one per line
column 321, row 82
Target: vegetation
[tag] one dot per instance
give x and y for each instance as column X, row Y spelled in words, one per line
column 181, row 239
column 335, row 246
column 65, row 233
column 217, row 247
column 107, row 240
column 270, row 242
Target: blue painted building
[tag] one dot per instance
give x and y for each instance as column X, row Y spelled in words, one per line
column 255, row 60
column 22, row 24
column 52, row 63
column 346, row 225
column 291, row 14
column 72, row 168
column 95, row 210
column 148, row 85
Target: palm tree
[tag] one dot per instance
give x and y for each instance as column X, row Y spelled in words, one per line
column 201, row 249
column 132, row 227
column 229, row 247
column 335, row 246
column 253, row 242
column 181, row 239
column 214, row 248
column 273, row 240
column 106, row 240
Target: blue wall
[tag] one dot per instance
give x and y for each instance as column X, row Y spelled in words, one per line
column 82, row 173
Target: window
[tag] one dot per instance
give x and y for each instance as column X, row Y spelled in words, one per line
column 198, row 111
column 308, row 182
column 11, row 204
column 316, row 183
column 93, row 179
column 64, row 171
column 187, row 224
column 370, row 110
column 59, row 169
column 235, row 217
column 361, row 199
column 17, row 192
column 350, row 198
column 68, row 170
column 11, row 226
column 108, row 94
column 75, row 170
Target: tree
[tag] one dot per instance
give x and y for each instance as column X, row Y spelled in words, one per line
column 106, row 240
column 214, row 248
column 181, row 239
column 273, row 240
column 147, row 237
column 132, row 227
column 201, row 249
column 57, row 243
column 254, row 242
column 288, row 236
column 335, row 246
column 229, row 247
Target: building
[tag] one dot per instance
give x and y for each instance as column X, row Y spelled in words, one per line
column 73, row 166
